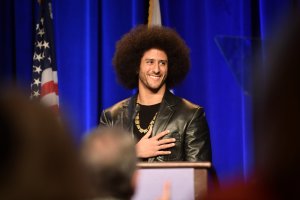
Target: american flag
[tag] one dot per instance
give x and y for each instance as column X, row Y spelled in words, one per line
column 44, row 71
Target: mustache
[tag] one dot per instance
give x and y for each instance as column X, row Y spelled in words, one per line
column 155, row 74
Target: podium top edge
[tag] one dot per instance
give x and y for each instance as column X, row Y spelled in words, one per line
column 174, row 165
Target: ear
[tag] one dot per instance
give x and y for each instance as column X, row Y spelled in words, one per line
column 134, row 179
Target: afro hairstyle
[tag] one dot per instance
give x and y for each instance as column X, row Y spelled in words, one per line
column 132, row 46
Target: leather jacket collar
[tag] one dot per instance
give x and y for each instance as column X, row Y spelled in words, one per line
column 165, row 111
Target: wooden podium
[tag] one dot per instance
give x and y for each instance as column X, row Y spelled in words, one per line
column 189, row 180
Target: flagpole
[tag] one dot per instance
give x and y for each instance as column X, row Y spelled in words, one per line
column 154, row 16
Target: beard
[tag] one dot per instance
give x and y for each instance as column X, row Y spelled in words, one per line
column 153, row 85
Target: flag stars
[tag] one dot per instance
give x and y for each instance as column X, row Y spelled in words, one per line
column 41, row 32
column 39, row 44
column 37, row 57
column 37, row 69
column 36, row 82
column 46, row 44
column 36, row 93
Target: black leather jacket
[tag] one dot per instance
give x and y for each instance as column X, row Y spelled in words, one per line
column 186, row 122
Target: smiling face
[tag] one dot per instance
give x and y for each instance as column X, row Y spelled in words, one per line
column 153, row 71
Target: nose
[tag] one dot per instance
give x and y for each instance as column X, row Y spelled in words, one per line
column 156, row 67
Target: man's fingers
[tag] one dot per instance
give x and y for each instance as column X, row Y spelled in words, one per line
column 158, row 153
column 148, row 134
column 166, row 141
column 162, row 134
column 165, row 146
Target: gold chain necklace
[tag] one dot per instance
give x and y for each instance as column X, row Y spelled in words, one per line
column 138, row 126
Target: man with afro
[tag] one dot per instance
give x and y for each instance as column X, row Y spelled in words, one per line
column 166, row 127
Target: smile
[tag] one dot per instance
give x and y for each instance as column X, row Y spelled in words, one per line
column 154, row 77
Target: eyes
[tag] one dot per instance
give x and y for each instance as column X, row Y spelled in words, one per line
column 151, row 62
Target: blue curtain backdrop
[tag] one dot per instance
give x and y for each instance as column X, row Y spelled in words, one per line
column 86, row 32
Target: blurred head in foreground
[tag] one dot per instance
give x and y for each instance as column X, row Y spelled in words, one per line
column 38, row 159
column 277, row 114
column 110, row 158
column 276, row 119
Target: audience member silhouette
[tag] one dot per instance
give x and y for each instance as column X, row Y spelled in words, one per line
column 276, row 123
column 110, row 158
column 277, row 114
column 38, row 158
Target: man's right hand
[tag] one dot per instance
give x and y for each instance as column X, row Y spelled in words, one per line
column 149, row 147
